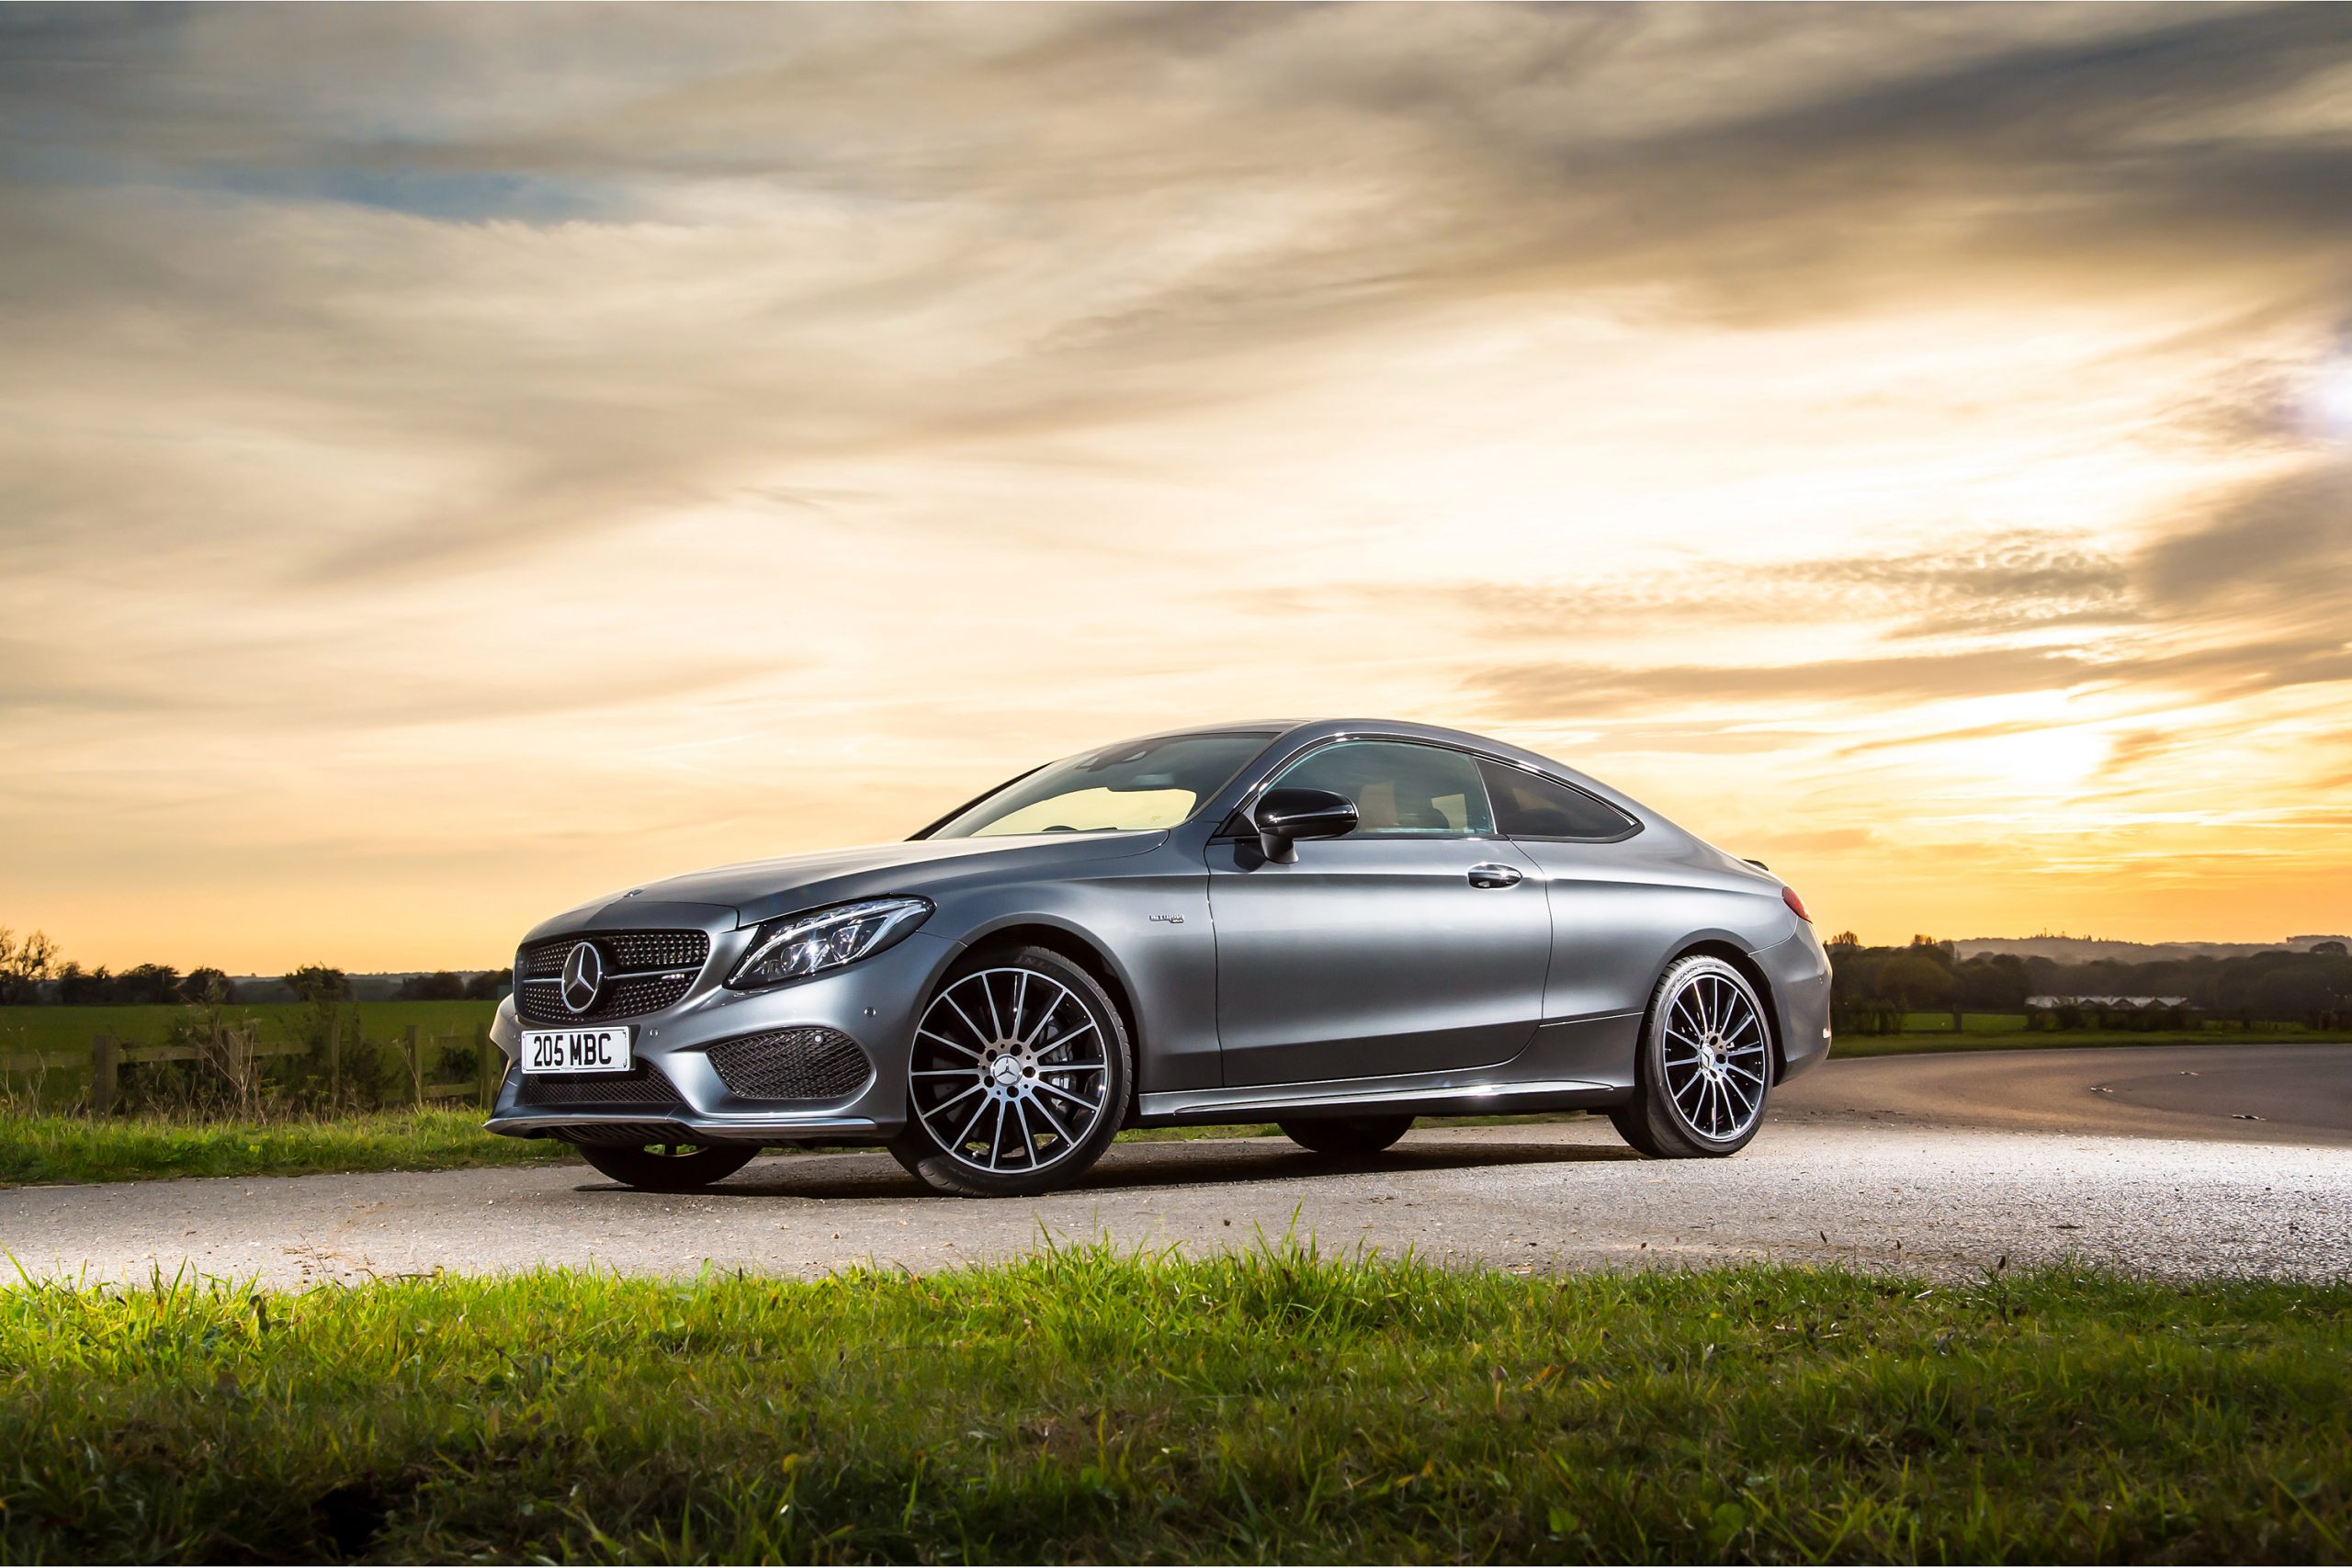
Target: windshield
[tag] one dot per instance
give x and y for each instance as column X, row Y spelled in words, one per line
column 1126, row 788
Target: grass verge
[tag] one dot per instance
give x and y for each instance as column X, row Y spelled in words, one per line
column 1085, row 1406
column 38, row 1149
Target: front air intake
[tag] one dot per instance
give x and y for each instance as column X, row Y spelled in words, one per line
column 804, row 1063
column 642, row 1089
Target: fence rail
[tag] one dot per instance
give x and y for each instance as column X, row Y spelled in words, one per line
column 238, row 1054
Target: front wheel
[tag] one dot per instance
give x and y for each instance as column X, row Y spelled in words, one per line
column 1705, row 1067
column 668, row 1167
column 1018, row 1079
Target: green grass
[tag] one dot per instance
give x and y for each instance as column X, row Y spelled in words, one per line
column 1083, row 1407
column 1971, row 1023
column 45, row 1150
column 39, row 1149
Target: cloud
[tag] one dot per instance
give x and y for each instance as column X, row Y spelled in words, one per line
column 399, row 240
column 2221, row 670
column 2003, row 583
column 1585, row 690
column 2281, row 549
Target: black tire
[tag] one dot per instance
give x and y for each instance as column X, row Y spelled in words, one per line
column 1057, row 1160
column 1346, row 1135
column 668, row 1167
column 1663, row 1125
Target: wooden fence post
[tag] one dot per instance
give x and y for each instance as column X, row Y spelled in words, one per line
column 335, row 1051
column 241, row 1043
column 415, row 1070
column 485, row 1086
column 105, row 1057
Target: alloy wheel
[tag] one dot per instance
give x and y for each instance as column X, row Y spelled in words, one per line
column 1717, row 1056
column 1010, row 1073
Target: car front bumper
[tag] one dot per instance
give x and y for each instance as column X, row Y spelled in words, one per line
column 873, row 1003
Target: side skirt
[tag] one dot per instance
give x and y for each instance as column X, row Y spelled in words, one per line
column 1388, row 1097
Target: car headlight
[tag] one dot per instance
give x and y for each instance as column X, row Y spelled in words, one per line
column 793, row 945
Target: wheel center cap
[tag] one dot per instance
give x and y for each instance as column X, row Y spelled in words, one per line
column 1005, row 1070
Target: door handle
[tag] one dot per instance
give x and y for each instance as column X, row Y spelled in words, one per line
column 1490, row 874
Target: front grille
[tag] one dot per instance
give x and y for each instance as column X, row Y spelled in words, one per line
column 791, row 1063
column 643, row 1088
column 644, row 971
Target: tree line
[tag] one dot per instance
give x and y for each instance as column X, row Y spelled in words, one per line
column 1871, row 987
column 1871, row 990
column 31, row 973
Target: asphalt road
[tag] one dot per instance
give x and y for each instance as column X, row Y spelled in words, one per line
column 2175, row 1161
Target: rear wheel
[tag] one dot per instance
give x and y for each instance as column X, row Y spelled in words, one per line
column 1346, row 1135
column 668, row 1167
column 1018, row 1079
column 1705, row 1067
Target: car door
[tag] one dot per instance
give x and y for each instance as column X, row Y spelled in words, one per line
column 1416, row 943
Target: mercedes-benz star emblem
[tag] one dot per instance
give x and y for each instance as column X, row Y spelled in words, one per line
column 583, row 977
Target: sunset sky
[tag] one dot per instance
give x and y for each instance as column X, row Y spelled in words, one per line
column 454, row 462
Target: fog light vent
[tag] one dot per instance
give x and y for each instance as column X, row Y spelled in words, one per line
column 807, row 1064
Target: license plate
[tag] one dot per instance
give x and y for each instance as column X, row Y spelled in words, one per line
column 576, row 1050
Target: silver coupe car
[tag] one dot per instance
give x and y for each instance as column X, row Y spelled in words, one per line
column 1336, row 926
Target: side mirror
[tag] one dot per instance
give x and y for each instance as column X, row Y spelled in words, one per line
column 1286, row 815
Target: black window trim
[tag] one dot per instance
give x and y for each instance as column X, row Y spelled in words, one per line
column 1633, row 824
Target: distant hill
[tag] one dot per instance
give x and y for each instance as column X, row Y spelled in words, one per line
column 2090, row 950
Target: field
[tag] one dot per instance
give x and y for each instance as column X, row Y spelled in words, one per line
column 40, row 1150
column 2006, row 1032
column 1081, row 1407
column 46, row 1135
column 2213, row 1029
column 70, row 1028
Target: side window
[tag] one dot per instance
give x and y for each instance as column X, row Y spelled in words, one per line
column 1401, row 791
column 1528, row 806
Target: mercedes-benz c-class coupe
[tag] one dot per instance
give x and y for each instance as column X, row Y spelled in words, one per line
column 1336, row 925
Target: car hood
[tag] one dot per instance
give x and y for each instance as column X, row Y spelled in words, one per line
column 757, row 890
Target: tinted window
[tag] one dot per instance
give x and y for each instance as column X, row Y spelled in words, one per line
column 1401, row 791
column 1528, row 806
column 1131, row 788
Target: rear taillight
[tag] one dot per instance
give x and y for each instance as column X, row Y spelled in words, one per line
column 1789, row 896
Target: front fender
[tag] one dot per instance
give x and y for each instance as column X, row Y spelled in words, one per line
column 1147, row 920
